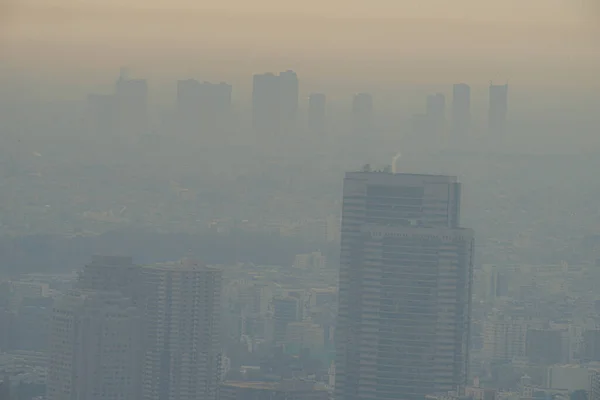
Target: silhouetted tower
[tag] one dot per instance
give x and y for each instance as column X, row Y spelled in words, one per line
column 498, row 110
column 362, row 113
column 436, row 112
column 316, row 113
column 131, row 102
column 288, row 95
column 461, row 109
column 274, row 101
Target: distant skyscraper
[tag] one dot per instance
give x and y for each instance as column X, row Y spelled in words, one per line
column 274, row 101
column 289, row 90
column 461, row 109
column 436, row 112
column 404, row 288
column 316, row 113
column 202, row 106
column 93, row 347
column 498, row 110
column 362, row 113
column 182, row 332
column 131, row 102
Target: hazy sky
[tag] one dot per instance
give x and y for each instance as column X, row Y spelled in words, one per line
column 406, row 40
column 480, row 9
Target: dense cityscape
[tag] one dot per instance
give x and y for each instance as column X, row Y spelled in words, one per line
column 294, row 249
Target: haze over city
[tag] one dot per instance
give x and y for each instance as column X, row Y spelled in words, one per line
column 317, row 200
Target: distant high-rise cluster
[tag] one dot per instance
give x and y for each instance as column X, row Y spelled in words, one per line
column 405, row 280
column 205, row 107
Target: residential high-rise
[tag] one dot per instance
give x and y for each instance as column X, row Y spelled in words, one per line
column 362, row 113
column 461, row 109
column 93, row 347
column 404, row 287
column 316, row 113
column 176, row 311
column 274, row 101
column 498, row 111
column 182, row 331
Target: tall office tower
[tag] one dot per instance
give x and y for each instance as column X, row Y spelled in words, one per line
column 202, row 106
column 131, row 104
column 285, row 310
column 289, row 90
column 498, row 110
column 461, row 109
column 316, row 113
column 404, row 287
column 436, row 112
column 274, row 101
column 182, row 326
column 93, row 347
column 362, row 113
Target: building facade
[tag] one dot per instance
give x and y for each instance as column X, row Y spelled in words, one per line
column 404, row 287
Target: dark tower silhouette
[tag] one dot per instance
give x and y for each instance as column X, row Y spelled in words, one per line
column 274, row 101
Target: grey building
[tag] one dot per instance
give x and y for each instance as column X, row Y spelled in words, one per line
column 286, row 310
column 274, row 101
column 404, row 287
